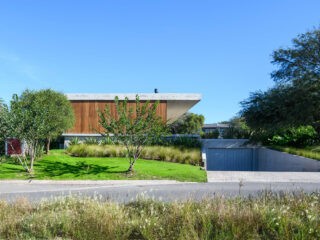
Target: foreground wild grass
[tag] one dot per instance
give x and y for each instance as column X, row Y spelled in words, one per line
column 308, row 152
column 61, row 166
column 163, row 153
column 268, row 217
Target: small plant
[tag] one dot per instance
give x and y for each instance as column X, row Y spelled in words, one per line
column 106, row 141
column 91, row 141
column 74, row 141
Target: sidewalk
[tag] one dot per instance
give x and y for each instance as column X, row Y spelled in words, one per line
column 267, row 177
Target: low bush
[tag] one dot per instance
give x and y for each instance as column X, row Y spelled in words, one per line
column 170, row 154
column 179, row 141
column 296, row 137
column 211, row 135
column 267, row 217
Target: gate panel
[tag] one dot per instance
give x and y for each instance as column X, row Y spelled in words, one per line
column 230, row 159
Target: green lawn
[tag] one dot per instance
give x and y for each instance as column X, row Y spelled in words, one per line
column 60, row 166
column 308, row 152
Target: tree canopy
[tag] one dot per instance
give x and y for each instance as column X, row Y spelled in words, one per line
column 295, row 98
column 36, row 116
column 3, row 121
column 188, row 123
column 237, row 129
column 57, row 113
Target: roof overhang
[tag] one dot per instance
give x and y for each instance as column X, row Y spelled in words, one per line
column 132, row 96
column 177, row 103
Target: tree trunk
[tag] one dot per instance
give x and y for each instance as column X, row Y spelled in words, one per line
column 48, row 141
column 130, row 169
column 31, row 164
column 32, row 157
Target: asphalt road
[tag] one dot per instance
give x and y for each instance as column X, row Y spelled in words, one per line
column 162, row 192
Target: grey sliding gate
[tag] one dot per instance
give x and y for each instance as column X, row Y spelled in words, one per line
column 230, row 159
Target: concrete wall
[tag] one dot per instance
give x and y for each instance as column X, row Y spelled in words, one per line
column 271, row 160
column 224, row 143
column 264, row 159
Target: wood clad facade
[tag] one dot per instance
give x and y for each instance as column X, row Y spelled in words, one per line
column 87, row 119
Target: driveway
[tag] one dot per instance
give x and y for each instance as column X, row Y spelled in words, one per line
column 267, row 177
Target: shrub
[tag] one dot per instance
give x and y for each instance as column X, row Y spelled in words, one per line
column 74, row 141
column 211, row 135
column 296, row 137
column 106, row 141
column 179, row 141
column 163, row 153
column 91, row 141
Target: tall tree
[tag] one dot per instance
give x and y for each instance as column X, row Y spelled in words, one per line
column 58, row 114
column 299, row 64
column 188, row 123
column 295, row 99
column 133, row 127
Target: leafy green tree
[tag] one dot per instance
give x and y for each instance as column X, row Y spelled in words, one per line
column 34, row 119
column 237, row 129
column 133, row 127
column 211, row 135
column 3, row 125
column 297, row 137
column 299, row 64
column 188, row 123
column 295, row 99
column 8, row 130
column 3, row 118
column 58, row 114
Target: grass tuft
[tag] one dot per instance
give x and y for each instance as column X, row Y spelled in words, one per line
column 163, row 153
column 266, row 217
column 312, row 152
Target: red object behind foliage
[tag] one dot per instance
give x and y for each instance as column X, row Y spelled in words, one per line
column 14, row 146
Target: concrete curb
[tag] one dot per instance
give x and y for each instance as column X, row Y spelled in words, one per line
column 92, row 182
column 265, row 177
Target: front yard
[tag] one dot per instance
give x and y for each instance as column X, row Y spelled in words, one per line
column 60, row 166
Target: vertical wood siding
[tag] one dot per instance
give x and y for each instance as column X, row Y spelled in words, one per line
column 87, row 119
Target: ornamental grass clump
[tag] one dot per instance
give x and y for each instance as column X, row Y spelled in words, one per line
column 162, row 153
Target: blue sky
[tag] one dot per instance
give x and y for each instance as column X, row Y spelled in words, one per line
column 220, row 49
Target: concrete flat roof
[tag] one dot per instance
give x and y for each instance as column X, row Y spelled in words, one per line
column 132, row 96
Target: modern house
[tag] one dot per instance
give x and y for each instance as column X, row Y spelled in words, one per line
column 171, row 107
column 86, row 106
